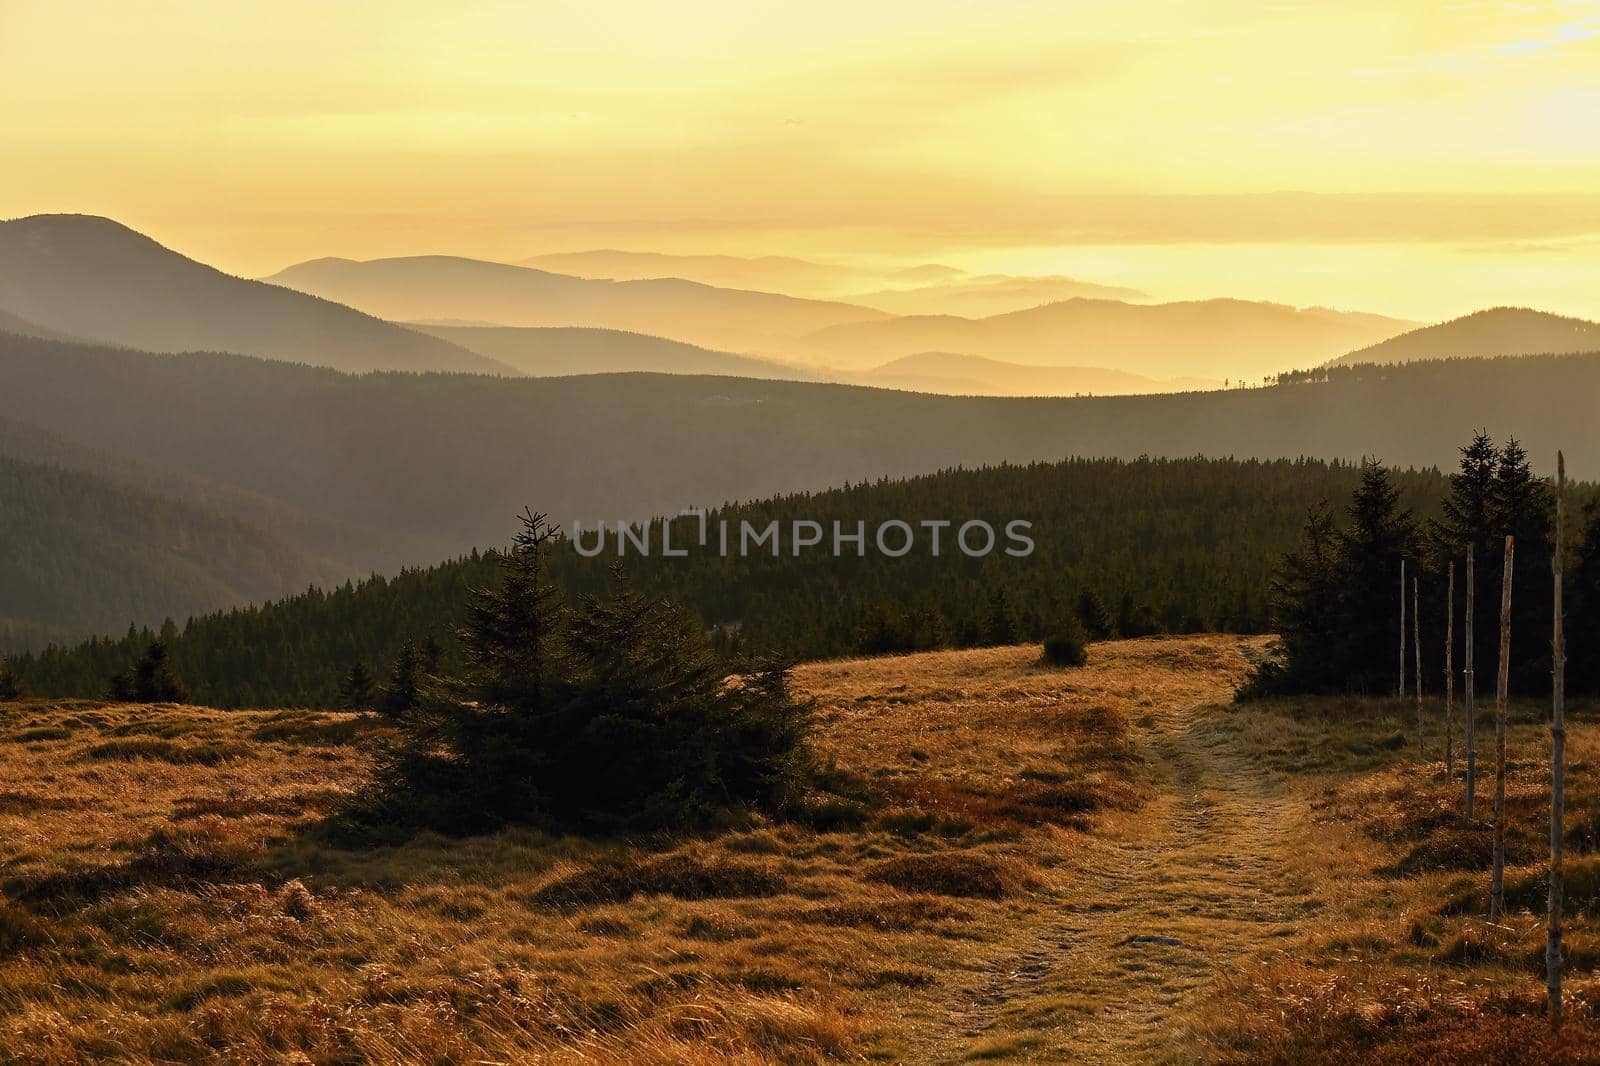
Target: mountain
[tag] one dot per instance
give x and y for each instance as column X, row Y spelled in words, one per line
column 86, row 555
column 446, row 287
column 548, row 351
column 975, row 296
column 10, row 323
column 766, row 273
column 98, row 280
column 1209, row 338
column 970, row 375
column 1176, row 545
column 551, row 351
column 343, row 474
column 446, row 459
column 929, row 288
column 348, row 548
column 1497, row 331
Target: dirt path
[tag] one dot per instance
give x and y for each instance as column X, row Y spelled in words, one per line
column 1160, row 906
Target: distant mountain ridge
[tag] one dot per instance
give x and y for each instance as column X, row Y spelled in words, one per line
column 376, row 471
column 451, row 287
column 1491, row 332
column 1206, row 338
column 553, row 351
column 980, row 295
column 929, row 288
column 951, row 373
column 91, row 278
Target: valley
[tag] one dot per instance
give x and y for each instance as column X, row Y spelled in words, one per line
column 782, row 535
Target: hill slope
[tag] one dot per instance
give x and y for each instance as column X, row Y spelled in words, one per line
column 764, row 273
column 970, row 375
column 444, row 460
column 1497, row 331
column 449, row 287
column 989, row 294
column 549, row 351
column 98, row 280
column 1164, row 544
column 86, row 555
column 926, row 289
column 1210, row 338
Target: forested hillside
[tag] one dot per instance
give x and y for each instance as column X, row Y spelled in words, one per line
column 85, row 554
column 1493, row 332
column 1140, row 547
column 377, row 471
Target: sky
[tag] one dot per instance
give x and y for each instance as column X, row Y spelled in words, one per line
column 1419, row 159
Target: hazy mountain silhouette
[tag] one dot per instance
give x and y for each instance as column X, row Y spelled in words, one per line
column 442, row 460
column 1496, row 331
column 1207, row 338
column 930, row 288
column 988, row 294
column 547, row 351
column 766, row 273
column 443, row 287
column 10, row 323
column 970, row 375
column 92, row 278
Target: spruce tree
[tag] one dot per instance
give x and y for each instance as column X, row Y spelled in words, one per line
column 1468, row 519
column 1583, row 607
column 152, row 681
column 10, row 687
column 1306, row 611
column 356, row 688
column 403, row 689
column 1380, row 534
column 1524, row 509
column 1097, row 622
column 618, row 717
column 1002, row 619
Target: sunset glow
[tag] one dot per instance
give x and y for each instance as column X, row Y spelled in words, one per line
column 1153, row 143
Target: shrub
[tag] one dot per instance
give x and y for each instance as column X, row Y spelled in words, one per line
column 152, row 681
column 10, row 687
column 356, row 688
column 403, row 691
column 1065, row 645
column 616, row 717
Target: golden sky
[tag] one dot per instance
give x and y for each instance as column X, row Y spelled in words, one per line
column 1189, row 147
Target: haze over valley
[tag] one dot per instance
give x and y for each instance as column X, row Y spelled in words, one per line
column 793, row 534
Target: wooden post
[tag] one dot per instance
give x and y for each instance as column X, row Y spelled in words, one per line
column 1558, row 763
column 1449, row 674
column 1471, row 692
column 1416, row 654
column 1402, row 629
column 1497, row 879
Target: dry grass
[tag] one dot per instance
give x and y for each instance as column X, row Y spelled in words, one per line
column 1013, row 863
column 1400, row 963
column 168, row 896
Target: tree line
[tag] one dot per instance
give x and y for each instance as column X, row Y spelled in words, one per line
column 1125, row 548
column 1338, row 597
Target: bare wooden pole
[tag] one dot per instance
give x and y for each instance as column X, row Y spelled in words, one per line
column 1558, row 763
column 1449, row 674
column 1497, row 880
column 1471, row 692
column 1416, row 655
column 1402, row 629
